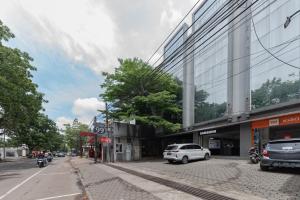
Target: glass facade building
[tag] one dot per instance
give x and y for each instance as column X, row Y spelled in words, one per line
column 173, row 62
column 245, row 74
column 210, row 63
column 273, row 81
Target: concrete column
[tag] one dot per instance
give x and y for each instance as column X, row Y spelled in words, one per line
column 196, row 138
column 239, row 42
column 245, row 139
column 188, row 89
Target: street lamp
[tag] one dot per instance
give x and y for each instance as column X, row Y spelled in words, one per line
column 288, row 19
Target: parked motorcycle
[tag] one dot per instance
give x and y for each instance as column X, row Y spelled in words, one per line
column 254, row 155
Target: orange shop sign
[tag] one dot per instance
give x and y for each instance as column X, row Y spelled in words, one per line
column 274, row 122
column 279, row 121
column 292, row 119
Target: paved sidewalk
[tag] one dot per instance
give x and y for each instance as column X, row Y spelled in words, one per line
column 234, row 178
column 106, row 186
column 106, row 183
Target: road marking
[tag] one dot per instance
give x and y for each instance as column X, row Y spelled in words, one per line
column 17, row 186
column 56, row 197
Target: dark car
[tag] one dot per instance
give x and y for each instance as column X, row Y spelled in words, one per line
column 281, row 153
column 61, row 154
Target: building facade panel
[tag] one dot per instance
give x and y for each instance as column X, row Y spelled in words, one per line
column 273, row 81
column 210, row 63
column 250, row 65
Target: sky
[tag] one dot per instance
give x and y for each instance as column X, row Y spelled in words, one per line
column 73, row 41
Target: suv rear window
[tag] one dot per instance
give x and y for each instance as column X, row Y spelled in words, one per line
column 284, row 145
column 172, row 147
column 189, row 146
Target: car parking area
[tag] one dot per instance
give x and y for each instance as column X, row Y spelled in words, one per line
column 232, row 176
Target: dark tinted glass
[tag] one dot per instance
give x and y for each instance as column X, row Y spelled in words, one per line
column 196, row 147
column 172, row 147
column 190, row 146
column 290, row 145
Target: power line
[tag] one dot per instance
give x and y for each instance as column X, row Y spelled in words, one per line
column 239, row 5
column 257, row 64
column 192, row 51
column 173, row 31
column 224, row 32
column 196, row 32
column 261, row 44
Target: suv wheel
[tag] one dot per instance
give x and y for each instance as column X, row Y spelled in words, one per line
column 206, row 157
column 185, row 160
column 264, row 168
column 170, row 161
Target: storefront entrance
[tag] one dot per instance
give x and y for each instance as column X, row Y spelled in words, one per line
column 282, row 127
column 223, row 141
column 288, row 131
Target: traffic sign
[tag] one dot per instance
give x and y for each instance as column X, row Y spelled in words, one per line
column 99, row 128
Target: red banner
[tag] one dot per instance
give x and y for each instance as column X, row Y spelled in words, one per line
column 87, row 134
column 100, row 139
column 105, row 140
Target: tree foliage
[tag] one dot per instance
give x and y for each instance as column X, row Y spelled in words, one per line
column 205, row 110
column 42, row 135
column 19, row 97
column 275, row 91
column 72, row 134
column 136, row 92
column 20, row 100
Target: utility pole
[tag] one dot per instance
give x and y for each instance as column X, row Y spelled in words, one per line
column 4, row 145
column 95, row 142
column 1, row 115
column 108, row 134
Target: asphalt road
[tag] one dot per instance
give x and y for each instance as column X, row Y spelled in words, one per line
column 23, row 180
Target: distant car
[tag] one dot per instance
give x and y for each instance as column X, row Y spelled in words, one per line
column 74, row 154
column 185, row 152
column 281, row 153
column 61, row 154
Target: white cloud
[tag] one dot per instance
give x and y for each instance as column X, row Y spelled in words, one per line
column 94, row 32
column 82, row 29
column 171, row 15
column 61, row 121
column 85, row 109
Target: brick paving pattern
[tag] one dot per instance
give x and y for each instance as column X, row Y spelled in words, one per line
column 229, row 175
column 106, row 186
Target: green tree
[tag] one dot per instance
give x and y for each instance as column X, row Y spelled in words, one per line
column 18, row 94
column 275, row 91
column 138, row 92
column 206, row 111
column 72, row 134
column 21, row 102
column 42, row 135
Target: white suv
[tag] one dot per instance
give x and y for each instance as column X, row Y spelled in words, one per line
column 185, row 152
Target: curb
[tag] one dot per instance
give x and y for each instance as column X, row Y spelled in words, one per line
column 86, row 193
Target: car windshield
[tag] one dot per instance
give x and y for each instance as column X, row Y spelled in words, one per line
column 284, row 145
column 171, row 147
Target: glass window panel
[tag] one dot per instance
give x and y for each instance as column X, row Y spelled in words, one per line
column 272, row 81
